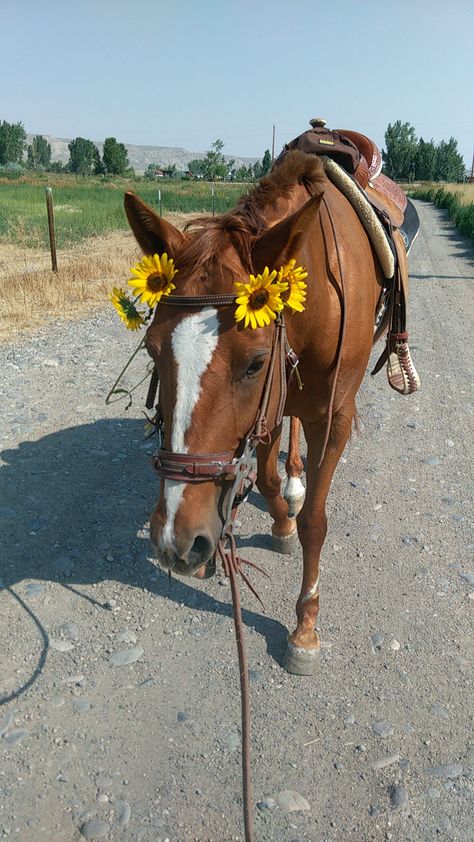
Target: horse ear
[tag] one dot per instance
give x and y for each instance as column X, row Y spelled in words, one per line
column 153, row 234
column 284, row 240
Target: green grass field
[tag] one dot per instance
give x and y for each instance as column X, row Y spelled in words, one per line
column 86, row 207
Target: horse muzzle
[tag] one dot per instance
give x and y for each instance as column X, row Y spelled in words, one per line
column 196, row 559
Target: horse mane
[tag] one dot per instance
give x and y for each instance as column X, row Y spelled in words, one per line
column 247, row 221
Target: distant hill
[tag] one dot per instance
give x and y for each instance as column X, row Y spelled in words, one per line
column 140, row 156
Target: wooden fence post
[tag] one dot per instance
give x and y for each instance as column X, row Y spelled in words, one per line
column 159, row 203
column 52, row 236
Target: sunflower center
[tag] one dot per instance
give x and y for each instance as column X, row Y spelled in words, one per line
column 258, row 299
column 157, row 281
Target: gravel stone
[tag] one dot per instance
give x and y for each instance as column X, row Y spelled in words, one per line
column 34, row 589
column 15, row 736
column 123, row 812
column 382, row 729
column 467, row 577
column 94, row 829
column 450, row 770
column 291, row 801
column 398, row 796
column 386, row 760
column 232, row 741
column 266, row 804
column 81, row 705
column 438, row 710
column 126, row 656
column 5, row 722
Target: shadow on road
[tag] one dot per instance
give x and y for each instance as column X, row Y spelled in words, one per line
column 72, row 504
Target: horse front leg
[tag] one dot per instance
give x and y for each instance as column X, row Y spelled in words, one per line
column 284, row 534
column 301, row 657
column 294, row 491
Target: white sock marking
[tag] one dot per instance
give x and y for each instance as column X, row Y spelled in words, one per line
column 312, row 591
column 193, row 341
column 293, row 488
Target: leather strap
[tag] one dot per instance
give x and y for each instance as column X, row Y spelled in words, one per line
column 220, row 300
column 194, row 467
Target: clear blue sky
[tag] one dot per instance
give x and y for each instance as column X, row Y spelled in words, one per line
column 183, row 72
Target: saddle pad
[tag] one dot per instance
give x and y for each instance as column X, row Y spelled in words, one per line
column 366, row 214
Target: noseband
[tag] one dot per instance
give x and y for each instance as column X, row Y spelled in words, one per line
column 226, row 466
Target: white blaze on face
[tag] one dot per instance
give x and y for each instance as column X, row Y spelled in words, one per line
column 193, row 341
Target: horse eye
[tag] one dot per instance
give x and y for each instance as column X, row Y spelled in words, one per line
column 254, row 367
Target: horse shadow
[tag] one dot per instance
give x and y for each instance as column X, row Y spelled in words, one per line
column 73, row 507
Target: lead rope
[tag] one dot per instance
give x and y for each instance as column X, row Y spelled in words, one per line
column 231, row 565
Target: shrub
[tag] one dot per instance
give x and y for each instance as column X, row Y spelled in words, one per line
column 461, row 213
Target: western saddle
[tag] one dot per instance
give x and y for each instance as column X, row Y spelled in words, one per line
column 361, row 159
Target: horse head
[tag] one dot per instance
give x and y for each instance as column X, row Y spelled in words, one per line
column 212, row 372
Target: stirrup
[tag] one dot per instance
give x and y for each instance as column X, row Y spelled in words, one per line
column 402, row 374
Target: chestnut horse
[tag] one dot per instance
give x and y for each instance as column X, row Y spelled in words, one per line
column 212, row 372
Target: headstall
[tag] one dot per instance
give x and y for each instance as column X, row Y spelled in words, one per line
column 226, row 466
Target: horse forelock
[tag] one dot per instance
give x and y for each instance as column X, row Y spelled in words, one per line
column 210, row 237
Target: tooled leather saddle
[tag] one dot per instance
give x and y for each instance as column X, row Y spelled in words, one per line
column 360, row 157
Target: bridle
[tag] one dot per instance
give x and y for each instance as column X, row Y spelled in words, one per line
column 235, row 467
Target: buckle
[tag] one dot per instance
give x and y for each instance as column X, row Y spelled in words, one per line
column 292, row 358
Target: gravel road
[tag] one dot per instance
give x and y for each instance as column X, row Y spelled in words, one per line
column 120, row 707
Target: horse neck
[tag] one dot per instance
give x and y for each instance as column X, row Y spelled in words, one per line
column 284, row 206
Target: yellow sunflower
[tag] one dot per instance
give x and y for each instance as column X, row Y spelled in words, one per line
column 126, row 309
column 153, row 277
column 294, row 276
column 259, row 300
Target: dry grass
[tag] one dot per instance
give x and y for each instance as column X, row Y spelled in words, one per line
column 465, row 192
column 32, row 293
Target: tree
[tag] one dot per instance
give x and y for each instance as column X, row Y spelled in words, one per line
column 97, row 163
column 196, row 168
column 266, row 162
column 150, row 172
column 170, row 171
column 115, row 156
column 81, row 155
column 57, row 166
column 425, row 161
column 39, row 154
column 214, row 166
column 257, row 170
column 12, row 142
column 449, row 162
column 400, row 154
column 244, row 173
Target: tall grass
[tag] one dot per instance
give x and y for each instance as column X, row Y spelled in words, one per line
column 458, row 199
column 89, row 207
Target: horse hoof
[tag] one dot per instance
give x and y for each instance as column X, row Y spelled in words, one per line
column 285, row 544
column 301, row 661
column 295, row 504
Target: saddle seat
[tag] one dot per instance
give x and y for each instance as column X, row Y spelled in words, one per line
column 362, row 159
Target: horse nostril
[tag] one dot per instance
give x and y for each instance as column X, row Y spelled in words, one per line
column 202, row 548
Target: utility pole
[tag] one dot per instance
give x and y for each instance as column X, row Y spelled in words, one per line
column 273, row 144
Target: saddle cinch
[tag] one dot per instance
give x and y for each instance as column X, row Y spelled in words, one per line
column 361, row 160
